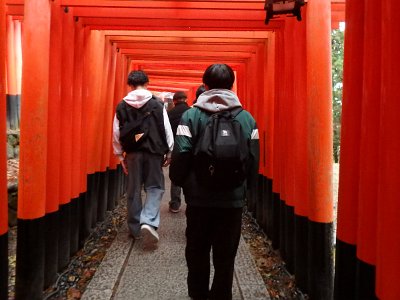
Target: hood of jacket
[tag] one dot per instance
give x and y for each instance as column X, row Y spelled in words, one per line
column 138, row 98
column 218, row 100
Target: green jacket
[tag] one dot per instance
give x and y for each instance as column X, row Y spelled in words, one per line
column 192, row 123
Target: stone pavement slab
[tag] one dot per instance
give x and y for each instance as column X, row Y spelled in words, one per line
column 128, row 272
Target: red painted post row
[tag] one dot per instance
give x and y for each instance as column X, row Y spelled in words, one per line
column 299, row 188
column 62, row 140
column 368, row 226
column 388, row 224
column 94, row 86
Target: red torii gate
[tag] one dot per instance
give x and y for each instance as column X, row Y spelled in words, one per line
column 297, row 174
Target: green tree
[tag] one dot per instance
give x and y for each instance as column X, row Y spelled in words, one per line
column 337, row 87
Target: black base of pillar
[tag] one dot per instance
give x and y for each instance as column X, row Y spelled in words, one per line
column 94, row 199
column 365, row 284
column 275, row 236
column 282, row 229
column 268, row 207
column 85, row 222
column 4, row 266
column 64, row 240
column 301, row 252
column 252, row 198
column 345, row 271
column 289, row 238
column 90, row 200
column 260, row 210
column 111, row 196
column 13, row 111
column 75, row 217
column 29, row 281
column 320, row 260
column 103, row 196
column 51, row 248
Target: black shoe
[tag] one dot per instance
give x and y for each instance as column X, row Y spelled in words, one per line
column 174, row 207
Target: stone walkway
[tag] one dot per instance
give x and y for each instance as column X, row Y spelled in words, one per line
column 129, row 273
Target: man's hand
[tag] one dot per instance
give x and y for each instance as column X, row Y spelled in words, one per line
column 124, row 166
column 167, row 159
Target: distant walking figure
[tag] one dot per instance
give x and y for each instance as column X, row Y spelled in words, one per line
column 175, row 114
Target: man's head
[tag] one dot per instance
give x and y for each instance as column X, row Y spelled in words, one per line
column 137, row 79
column 179, row 97
column 219, row 76
column 200, row 90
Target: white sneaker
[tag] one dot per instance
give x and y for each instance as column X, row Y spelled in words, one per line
column 150, row 236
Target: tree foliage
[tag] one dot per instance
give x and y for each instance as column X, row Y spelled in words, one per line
column 337, row 87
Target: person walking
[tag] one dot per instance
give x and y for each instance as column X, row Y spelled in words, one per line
column 200, row 90
column 175, row 114
column 213, row 213
column 143, row 141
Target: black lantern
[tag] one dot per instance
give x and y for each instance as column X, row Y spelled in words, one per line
column 283, row 7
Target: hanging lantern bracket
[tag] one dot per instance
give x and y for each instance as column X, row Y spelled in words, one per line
column 283, row 7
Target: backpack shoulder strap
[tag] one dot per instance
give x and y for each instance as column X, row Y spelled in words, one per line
column 235, row 111
column 123, row 112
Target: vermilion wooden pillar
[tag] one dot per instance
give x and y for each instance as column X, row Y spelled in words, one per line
column 369, row 154
column 77, row 115
column 85, row 205
column 259, row 116
column 289, row 145
column 117, row 97
column 300, row 140
column 14, row 60
column 3, row 165
column 94, row 151
column 276, row 163
column 268, row 120
column 18, row 59
column 33, row 156
column 53, row 149
column 345, row 270
column 388, row 231
column 320, row 151
column 66, row 146
column 12, row 94
column 109, row 114
column 78, row 191
column 103, row 132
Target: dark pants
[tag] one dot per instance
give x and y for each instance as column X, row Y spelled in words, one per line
column 219, row 229
column 176, row 192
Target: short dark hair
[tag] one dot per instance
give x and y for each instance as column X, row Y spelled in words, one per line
column 219, row 76
column 179, row 96
column 200, row 90
column 137, row 78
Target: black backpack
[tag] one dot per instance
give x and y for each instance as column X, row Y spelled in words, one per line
column 221, row 152
column 134, row 127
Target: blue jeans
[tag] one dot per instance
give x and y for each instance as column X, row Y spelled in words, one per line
column 144, row 170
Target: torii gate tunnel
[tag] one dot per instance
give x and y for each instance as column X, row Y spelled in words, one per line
column 74, row 56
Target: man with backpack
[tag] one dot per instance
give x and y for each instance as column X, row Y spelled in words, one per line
column 143, row 141
column 215, row 158
column 175, row 114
